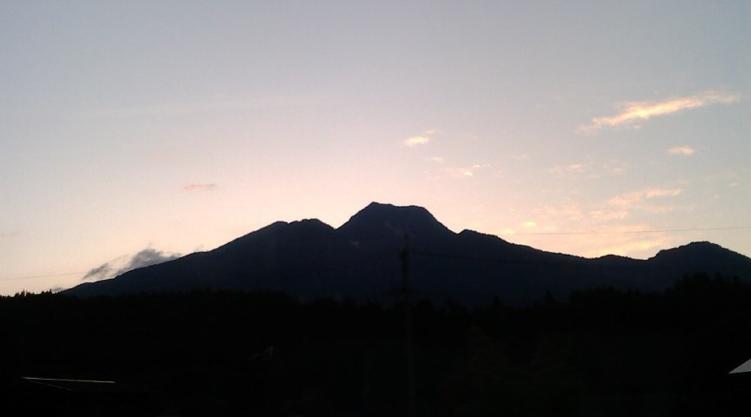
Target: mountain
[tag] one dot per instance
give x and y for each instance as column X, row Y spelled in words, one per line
column 388, row 224
column 361, row 259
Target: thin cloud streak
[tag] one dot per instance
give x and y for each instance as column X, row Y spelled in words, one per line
column 613, row 225
column 575, row 168
column 636, row 197
column 465, row 172
column 416, row 140
column 121, row 265
column 635, row 112
column 682, row 151
column 530, row 224
column 200, row 187
column 422, row 139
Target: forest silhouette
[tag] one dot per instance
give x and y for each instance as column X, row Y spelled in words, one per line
column 214, row 352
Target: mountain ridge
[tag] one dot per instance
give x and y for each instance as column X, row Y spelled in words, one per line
column 360, row 259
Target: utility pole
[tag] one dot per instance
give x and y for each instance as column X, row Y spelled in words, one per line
column 409, row 344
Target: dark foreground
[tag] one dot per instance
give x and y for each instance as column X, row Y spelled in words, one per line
column 603, row 353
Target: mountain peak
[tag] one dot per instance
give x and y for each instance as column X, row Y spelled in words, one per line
column 376, row 207
column 704, row 257
column 380, row 221
column 693, row 248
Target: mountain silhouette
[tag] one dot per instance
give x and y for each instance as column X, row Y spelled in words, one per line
column 388, row 224
column 361, row 259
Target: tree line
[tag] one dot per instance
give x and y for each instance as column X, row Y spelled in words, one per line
column 600, row 352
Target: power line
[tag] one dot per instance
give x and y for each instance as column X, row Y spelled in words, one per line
column 571, row 261
column 59, row 274
column 632, row 232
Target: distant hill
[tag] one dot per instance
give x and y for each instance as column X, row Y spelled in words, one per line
column 360, row 259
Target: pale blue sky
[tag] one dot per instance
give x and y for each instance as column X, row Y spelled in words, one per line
column 181, row 125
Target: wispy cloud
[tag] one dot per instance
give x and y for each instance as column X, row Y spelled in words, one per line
column 465, row 172
column 634, row 198
column 98, row 273
column 589, row 236
column 681, row 150
column 575, row 168
column 589, row 169
column 616, row 225
column 529, row 224
column 624, row 240
column 459, row 172
column 632, row 113
column 574, row 214
column 413, row 141
column 200, row 187
column 568, row 211
column 438, row 159
column 588, row 231
column 608, row 214
column 123, row 264
column 422, row 139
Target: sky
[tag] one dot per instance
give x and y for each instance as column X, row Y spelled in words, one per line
column 147, row 129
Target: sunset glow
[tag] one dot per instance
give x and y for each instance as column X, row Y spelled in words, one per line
column 176, row 127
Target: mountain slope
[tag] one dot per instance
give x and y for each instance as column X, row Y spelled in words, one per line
column 361, row 259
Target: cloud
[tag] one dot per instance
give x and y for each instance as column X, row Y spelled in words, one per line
column 416, row 140
column 100, row 272
column 422, row 139
column 200, row 187
column 633, row 113
column 123, row 264
column 148, row 257
column 459, row 172
column 553, row 213
column 624, row 240
column 571, row 215
column 634, row 198
column 594, row 237
column 576, row 168
column 621, row 224
column 606, row 214
column 589, row 232
column 589, row 169
column 681, row 150
column 613, row 167
column 438, row 159
column 465, row 172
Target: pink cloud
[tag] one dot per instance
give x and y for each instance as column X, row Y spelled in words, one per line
column 200, row 187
